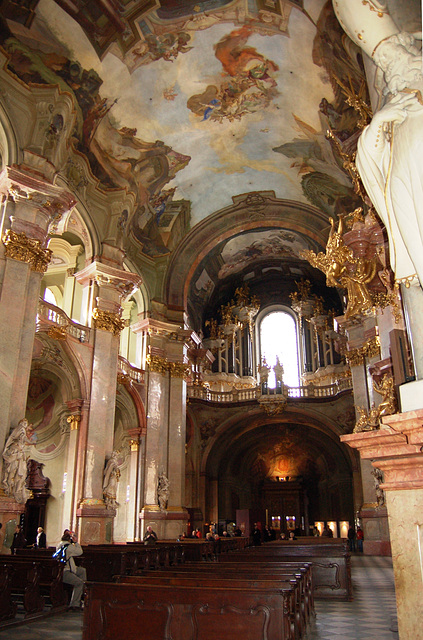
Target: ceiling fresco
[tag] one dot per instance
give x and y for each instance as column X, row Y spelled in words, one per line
column 188, row 103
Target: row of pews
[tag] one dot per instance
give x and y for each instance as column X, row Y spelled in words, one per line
column 34, row 582
column 31, row 582
column 183, row 591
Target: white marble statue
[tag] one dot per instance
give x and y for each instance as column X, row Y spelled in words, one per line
column 14, row 461
column 389, row 149
column 110, row 481
column 163, row 491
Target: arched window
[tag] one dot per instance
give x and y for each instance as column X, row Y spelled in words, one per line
column 279, row 338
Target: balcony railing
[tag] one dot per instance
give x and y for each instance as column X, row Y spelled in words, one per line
column 50, row 314
column 127, row 369
column 294, row 393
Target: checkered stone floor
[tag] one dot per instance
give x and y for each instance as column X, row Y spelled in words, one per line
column 372, row 613
column 370, row 616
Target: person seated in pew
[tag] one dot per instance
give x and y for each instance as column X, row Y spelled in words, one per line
column 72, row 574
column 150, row 536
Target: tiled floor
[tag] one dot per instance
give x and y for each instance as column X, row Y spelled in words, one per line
column 370, row 616
column 372, row 613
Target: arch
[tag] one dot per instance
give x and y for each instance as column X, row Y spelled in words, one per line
column 245, row 214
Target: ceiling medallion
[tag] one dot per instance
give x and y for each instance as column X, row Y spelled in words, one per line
column 273, row 405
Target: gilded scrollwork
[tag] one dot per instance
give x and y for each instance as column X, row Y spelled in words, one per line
column 370, row 349
column 157, row 364
column 178, row 369
column 108, row 321
column 370, row 421
column 57, row 333
column 386, row 388
column 20, row 247
column 344, row 270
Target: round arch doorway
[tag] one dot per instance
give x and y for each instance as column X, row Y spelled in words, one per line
column 286, row 473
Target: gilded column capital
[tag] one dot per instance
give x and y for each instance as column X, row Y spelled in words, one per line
column 157, row 364
column 108, row 321
column 19, row 247
column 134, row 445
column 73, row 420
column 178, row 369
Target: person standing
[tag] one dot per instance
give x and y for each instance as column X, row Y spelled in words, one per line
column 351, row 539
column 360, row 538
column 72, row 574
column 19, row 540
column 41, row 540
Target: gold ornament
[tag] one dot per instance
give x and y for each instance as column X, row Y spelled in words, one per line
column 157, row 364
column 57, row 333
column 108, row 321
column 20, row 247
column 358, row 356
column 342, row 269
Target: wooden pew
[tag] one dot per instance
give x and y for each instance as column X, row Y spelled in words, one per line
column 235, row 571
column 201, row 579
column 330, row 560
column 138, row 612
column 35, row 581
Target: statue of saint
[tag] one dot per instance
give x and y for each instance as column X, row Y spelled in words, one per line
column 14, row 461
column 389, row 149
column 163, row 491
column 110, row 481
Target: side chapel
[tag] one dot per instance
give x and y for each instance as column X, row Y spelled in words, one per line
column 211, row 261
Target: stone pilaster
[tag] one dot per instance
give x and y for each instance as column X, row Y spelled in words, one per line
column 166, row 416
column 74, row 419
column 133, row 481
column 396, row 449
column 32, row 205
column 108, row 285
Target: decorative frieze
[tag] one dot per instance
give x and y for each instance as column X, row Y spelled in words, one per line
column 20, row 247
column 108, row 321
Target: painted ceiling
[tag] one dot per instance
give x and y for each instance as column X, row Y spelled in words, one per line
column 198, row 101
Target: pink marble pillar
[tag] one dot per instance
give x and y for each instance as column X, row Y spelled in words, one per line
column 396, row 449
column 32, row 205
column 165, row 434
column 108, row 285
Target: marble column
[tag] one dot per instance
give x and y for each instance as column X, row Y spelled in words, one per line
column 69, row 495
column 396, row 449
column 165, row 434
column 133, row 472
column 32, row 204
column 109, row 285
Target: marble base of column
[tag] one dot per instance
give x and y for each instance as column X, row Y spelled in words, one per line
column 376, row 530
column 168, row 524
column 397, row 450
column 95, row 522
column 10, row 513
